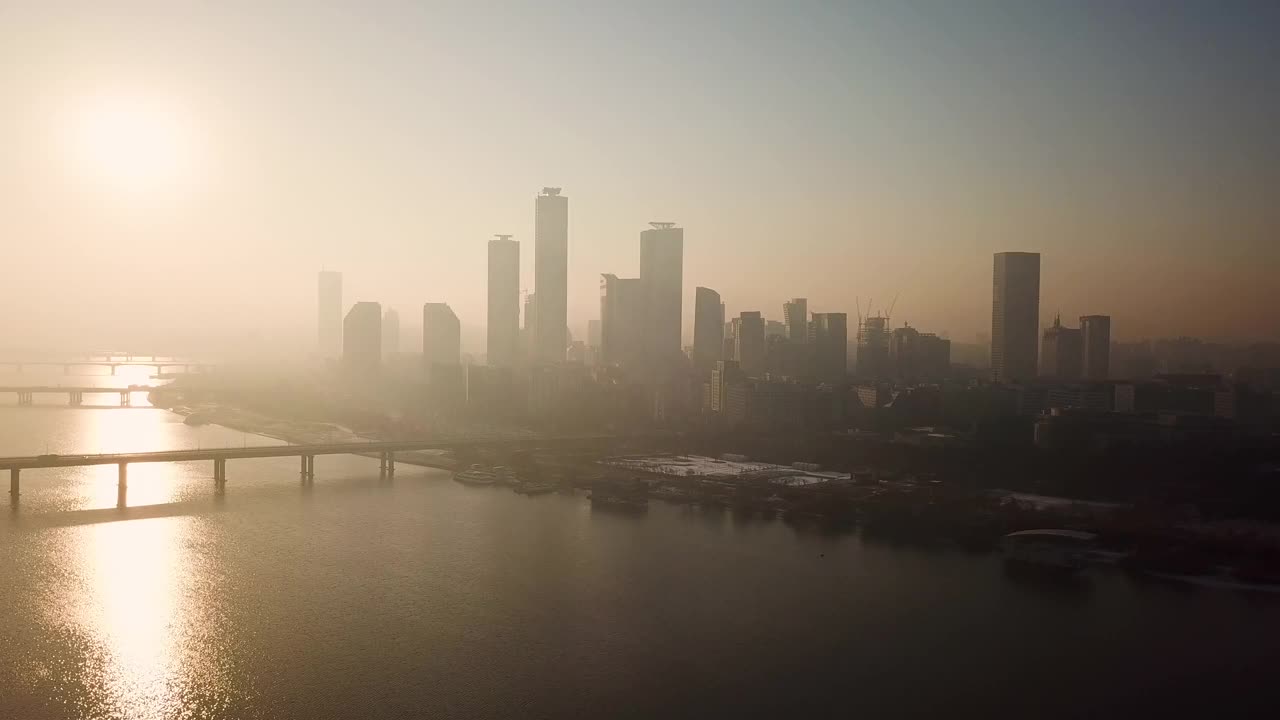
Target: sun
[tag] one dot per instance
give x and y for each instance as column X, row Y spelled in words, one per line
column 132, row 144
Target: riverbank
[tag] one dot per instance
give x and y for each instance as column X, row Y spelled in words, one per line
column 927, row 510
column 942, row 504
column 298, row 432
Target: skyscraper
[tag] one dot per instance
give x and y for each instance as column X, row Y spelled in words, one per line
column 503, row 346
column 708, row 329
column 724, row 374
column 530, row 311
column 329, row 315
column 830, row 346
column 1061, row 351
column 662, row 280
column 593, row 333
column 551, row 275
column 796, row 316
column 362, row 338
column 1096, row 333
column 441, row 335
column 526, row 330
column 748, row 333
column 390, row 332
column 621, row 319
column 1015, row 316
column 916, row 356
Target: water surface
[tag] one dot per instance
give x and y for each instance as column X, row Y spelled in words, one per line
column 356, row 597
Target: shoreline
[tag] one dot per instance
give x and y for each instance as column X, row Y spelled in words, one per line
column 294, row 432
column 890, row 505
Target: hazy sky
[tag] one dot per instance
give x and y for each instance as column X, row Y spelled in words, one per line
column 193, row 164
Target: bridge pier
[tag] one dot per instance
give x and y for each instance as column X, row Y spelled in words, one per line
column 13, row 482
column 220, row 473
column 123, row 484
column 308, row 467
column 113, row 369
column 76, row 397
column 388, row 466
column 125, row 398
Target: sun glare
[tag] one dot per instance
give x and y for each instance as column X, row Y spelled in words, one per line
column 132, row 145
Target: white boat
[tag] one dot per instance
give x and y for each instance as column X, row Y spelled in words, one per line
column 505, row 476
column 475, row 475
column 1049, row 548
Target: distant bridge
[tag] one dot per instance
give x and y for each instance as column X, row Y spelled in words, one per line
column 385, row 451
column 113, row 363
column 75, row 394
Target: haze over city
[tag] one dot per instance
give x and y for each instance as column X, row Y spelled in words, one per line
column 404, row 359
column 203, row 161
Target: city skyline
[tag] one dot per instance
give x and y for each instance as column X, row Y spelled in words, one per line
column 555, row 359
column 259, row 181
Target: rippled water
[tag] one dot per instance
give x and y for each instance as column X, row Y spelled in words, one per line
column 361, row 598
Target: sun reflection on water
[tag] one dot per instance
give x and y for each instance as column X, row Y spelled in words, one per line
column 148, row 483
column 133, row 605
column 133, row 572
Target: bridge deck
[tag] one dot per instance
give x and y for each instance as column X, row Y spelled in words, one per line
column 267, row 451
column 87, row 389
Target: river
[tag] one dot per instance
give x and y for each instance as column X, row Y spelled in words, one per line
column 358, row 597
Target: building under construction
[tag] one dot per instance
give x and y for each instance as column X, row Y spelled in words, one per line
column 873, row 346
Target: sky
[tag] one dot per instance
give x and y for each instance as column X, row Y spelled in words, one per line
column 185, row 168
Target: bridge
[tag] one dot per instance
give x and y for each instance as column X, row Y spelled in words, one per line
column 385, row 451
column 113, row 363
column 75, row 394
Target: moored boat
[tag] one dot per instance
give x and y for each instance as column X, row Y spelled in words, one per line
column 1049, row 548
column 475, row 475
